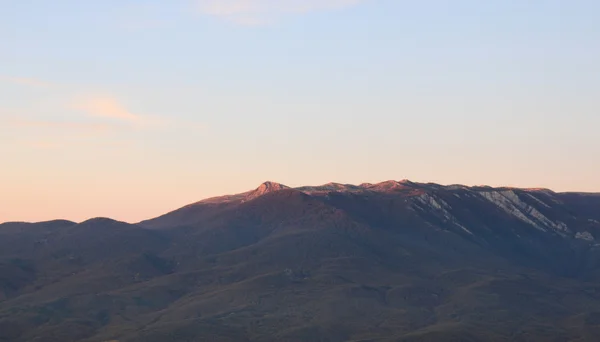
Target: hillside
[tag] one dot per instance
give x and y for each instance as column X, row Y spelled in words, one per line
column 395, row 261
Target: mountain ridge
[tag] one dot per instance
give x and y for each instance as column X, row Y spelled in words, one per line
column 384, row 186
column 393, row 261
column 514, row 201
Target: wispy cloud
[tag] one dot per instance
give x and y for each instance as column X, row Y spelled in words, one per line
column 51, row 135
column 257, row 12
column 85, row 127
column 61, row 143
column 108, row 107
column 31, row 82
column 87, row 115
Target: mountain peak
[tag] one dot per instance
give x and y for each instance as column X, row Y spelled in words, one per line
column 390, row 185
column 266, row 188
column 272, row 186
column 97, row 221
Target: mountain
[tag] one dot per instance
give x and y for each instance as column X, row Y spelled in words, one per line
column 394, row 261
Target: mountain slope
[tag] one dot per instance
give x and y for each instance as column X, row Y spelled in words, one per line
column 395, row 261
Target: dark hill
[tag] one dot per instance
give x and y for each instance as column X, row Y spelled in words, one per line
column 395, row 261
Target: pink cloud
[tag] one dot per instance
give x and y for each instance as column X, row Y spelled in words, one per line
column 107, row 107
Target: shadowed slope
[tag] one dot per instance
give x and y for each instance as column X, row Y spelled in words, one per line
column 395, row 261
column 207, row 209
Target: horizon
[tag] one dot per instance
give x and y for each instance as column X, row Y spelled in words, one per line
column 296, row 188
column 130, row 109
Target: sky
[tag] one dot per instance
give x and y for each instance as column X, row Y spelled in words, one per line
column 131, row 108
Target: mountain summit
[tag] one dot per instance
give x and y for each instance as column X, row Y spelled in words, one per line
column 459, row 207
column 265, row 188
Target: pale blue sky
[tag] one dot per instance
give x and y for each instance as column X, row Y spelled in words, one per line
column 131, row 108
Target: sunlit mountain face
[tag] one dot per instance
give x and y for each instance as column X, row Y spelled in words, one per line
column 394, row 261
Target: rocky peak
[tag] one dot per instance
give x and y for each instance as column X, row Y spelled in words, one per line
column 265, row 188
column 390, row 185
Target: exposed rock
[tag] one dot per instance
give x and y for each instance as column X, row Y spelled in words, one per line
column 584, row 236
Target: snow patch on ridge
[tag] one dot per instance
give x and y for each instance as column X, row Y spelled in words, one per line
column 441, row 206
column 584, row 236
column 538, row 200
column 510, row 202
column 331, row 187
